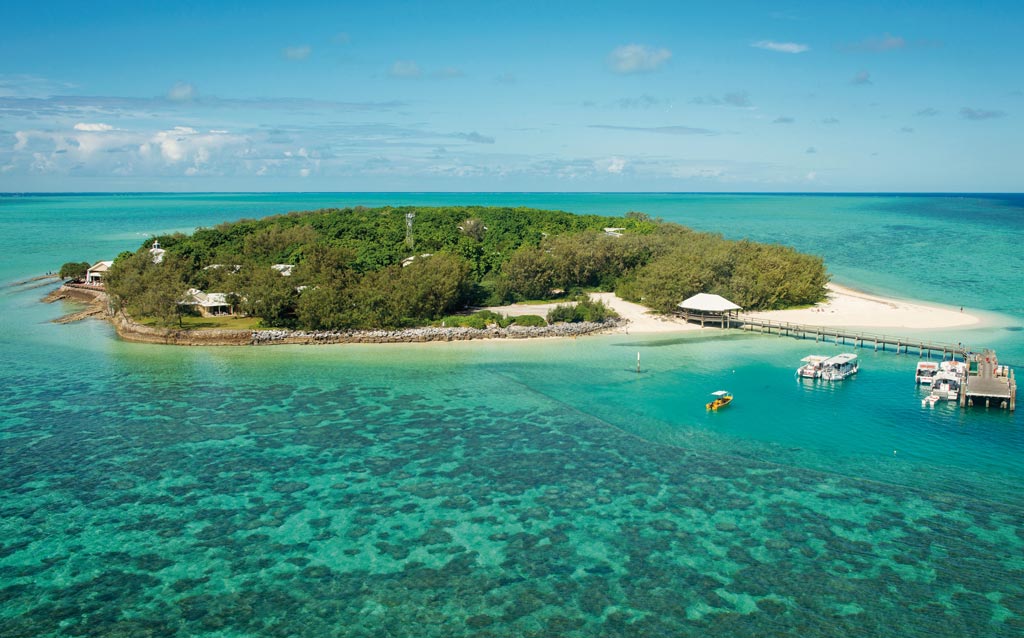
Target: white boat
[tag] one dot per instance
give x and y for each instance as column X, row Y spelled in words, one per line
column 958, row 368
column 926, row 371
column 929, row 401
column 811, row 368
column 839, row 367
column 946, row 386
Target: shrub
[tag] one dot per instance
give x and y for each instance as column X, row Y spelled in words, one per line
column 530, row 321
column 479, row 320
column 586, row 310
column 562, row 313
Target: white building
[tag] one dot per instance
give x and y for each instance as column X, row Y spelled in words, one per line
column 210, row 304
column 95, row 274
column 157, row 252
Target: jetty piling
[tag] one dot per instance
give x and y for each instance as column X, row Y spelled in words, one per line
column 857, row 339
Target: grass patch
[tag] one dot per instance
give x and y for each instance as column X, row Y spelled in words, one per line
column 206, row 323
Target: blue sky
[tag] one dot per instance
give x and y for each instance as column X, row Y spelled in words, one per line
column 512, row 96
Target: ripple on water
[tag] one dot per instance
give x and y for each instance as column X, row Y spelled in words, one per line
column 429, row 516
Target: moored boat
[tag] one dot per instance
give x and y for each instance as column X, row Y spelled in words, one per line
column 926, row 371
column 722, row 399
column 811, row 368
column 953, row 366
column 839, row 367
column 946, row 385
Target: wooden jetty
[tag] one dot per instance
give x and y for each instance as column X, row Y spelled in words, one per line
column 988, row 382
column 841, row 336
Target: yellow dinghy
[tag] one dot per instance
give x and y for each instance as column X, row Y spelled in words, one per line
column 722, row 399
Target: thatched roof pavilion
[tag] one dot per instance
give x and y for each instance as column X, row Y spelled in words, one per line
column 709, row 308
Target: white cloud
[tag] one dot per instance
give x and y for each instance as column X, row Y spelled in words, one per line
column 614, row 165
column 969, row 113
column 862, row 78
column 31, row 86
column 405, row 69
column 182, row 92
column 297, row 53
column 637, row 58
column 781, row 47
column 736, row 98
column 662, row 130
column 84, row 126
column 474, row 137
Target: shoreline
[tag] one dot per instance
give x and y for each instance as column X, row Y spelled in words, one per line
column 99, row 307
column 843, row 308
column 846, row 307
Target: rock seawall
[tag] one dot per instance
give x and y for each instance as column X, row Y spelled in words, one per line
column 424, row 335
column 130, row 330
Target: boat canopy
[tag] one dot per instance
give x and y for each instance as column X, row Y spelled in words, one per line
column 814, row 358
column 840, row 359
column 720, row 393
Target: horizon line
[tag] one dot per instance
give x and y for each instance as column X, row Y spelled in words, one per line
column 488, row 192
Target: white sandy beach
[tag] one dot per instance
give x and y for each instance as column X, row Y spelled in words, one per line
column 843, row 308
column 851, row 308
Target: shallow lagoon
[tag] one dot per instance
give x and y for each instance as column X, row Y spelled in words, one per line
column 540, row 488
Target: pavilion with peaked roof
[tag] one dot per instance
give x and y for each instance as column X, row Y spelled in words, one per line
column 96, row 273
column 709, row 309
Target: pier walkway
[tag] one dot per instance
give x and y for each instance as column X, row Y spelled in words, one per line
column 984, row 382
column 842, row 336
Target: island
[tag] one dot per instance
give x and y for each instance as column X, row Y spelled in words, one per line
column 429, row 273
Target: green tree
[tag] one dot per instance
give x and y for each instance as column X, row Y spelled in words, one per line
column 144, row 289
column 74, row 270
column 268, row 295
column 530, row 273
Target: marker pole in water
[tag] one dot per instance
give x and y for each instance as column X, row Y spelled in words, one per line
column 638, row 363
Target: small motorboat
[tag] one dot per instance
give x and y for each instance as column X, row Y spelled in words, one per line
column 722, row 399
column 839, row 367
column 811, row 368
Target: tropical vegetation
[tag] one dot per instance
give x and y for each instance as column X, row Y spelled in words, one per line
column 362, row 268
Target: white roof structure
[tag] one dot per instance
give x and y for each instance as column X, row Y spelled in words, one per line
column 207, row 300
column 101, row 266
column 704, row 302
column 840, row 359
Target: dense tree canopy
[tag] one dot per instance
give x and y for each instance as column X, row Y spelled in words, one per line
column 393, row 267
column 74, row 270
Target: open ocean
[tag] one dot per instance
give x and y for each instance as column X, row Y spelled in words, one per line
column 540, row 488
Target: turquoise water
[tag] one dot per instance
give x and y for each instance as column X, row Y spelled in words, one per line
column 540, row 488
